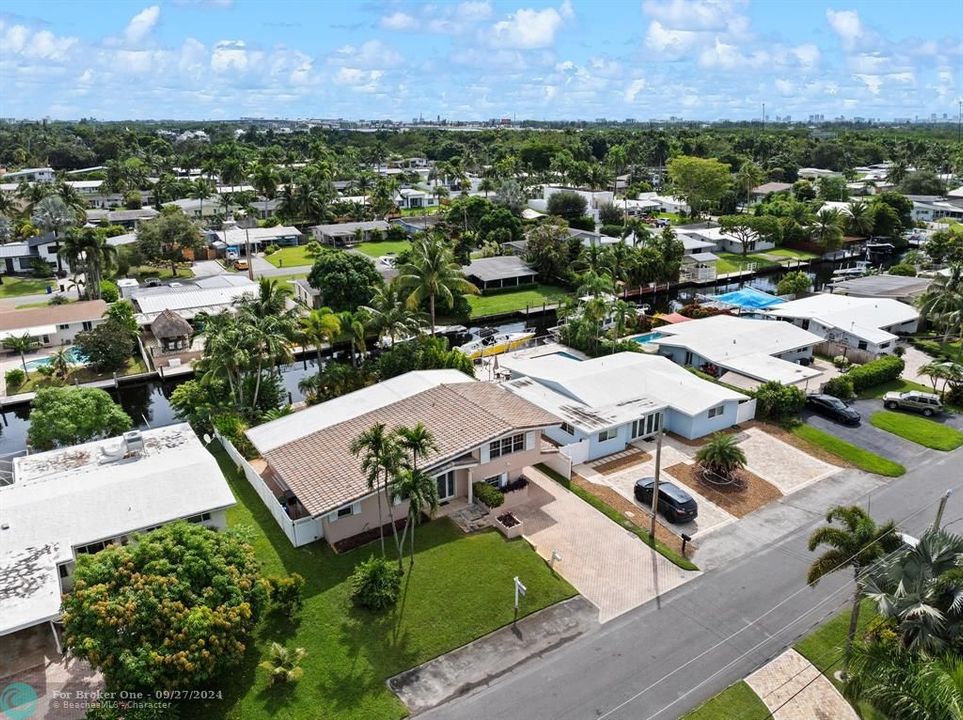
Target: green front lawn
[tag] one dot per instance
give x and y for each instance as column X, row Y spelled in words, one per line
column 82, row 374
column 615, row 516
column 898, row 385
column 737, row 702
column 386, row 247
column 294, row 256
column 792, row 253
column 735, row 262
column 17, row 286
column 516, row 300
column 860, row 457
column 460, row 589
column 918, row 429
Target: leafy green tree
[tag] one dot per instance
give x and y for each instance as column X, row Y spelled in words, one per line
column 166, row 238
column 500, row 225
column 421, row 353
column 567, row 204
column 803, row 190
column 922, row 182
column 72, row 415
column 832, row 189
column 123, row 312
column 750, row 229
column 107, row 346
column 794, row 283
column 187, row 598
column 547, row 250
column 701, row 181
column 856, row 543
column 345, row 280
column 432, row 274
column 777, row 401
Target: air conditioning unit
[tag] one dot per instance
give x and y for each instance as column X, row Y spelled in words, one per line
column 134, row 442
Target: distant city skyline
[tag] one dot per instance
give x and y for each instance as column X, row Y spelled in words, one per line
column 702, row 60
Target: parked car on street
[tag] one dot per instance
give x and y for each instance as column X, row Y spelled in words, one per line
column 833, row 408
column 675, row 504
column 240, row 264
column 922, row 402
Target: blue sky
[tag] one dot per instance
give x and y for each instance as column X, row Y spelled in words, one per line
column 478, row 59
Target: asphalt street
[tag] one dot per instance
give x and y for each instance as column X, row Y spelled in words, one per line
column 669, row 656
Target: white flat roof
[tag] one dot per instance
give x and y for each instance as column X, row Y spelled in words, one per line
column 613, row 379
column 291, row 427
column 862, row 317
column 191, row 299
column 745, row 345
column 70, row 497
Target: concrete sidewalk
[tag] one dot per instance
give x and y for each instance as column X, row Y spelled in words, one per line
column 793, row 689
column 485, row 660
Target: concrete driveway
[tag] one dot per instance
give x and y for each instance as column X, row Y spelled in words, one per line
column 607, row 564
column 878, row 441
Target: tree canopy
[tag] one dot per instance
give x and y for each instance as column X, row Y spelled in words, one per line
column 173, row 609
column 166, row 238
column 345, row 280
column 701, row 181
column 63, row 416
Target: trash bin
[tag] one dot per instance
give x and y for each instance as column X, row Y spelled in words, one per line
column 49, row 289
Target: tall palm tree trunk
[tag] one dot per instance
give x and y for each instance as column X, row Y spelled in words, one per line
column 381, row 524
column 394, row 526
column 431, row 304
column 853, row 621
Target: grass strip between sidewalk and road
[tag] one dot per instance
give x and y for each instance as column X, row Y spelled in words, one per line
column 918, row 429
column 617, row 517
column 736, row 702
column 857, row 456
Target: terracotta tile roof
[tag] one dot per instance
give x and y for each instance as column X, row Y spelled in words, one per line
column 53, row 315
column 321, row 470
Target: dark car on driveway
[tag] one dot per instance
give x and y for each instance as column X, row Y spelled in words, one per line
column 833, row 408
column 675, row 504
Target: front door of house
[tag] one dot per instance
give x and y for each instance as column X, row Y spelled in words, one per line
column 446, row 486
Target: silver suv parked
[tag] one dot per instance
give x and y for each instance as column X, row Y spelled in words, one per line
column 922, row 402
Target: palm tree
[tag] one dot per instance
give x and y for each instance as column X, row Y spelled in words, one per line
column 942, row 303
column 51, row 214
column 417, row 440
column 389, row 316
column 487, row 185
column 432, row 273
column 749, row 176
column 421, row 491
column 319, row 327
column 381, row 457
column 622, row 312
column 265, row 179
column 87, row 248
column 61, row 362
column 271, row 297
column 722, row 455
column 201, row 190
column 858, row 544
column 860, row 218
column 353, row 330
column 283, row 664
column 594, row 284
column 826, row 230
column 922, row 593
column 22, row 344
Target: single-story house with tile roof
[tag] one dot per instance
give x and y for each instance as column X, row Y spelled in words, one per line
column 76, row 500
column 496, row 273
column 482, row 432
column 741, row 351
column 53, row 324
column 760, row 191
column 607, row 402
column 871, row 324
column 349, row 233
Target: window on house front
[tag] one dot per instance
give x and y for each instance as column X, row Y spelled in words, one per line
column 861, row 345
column 506, row 446
column 88, row 325
column 63, row 570
column 91, row 548
column 609, row 434
column 344, row 511
column 716, row 411
column 566, row 428
column 203, row 517
column 63, row 327
column 494, row 480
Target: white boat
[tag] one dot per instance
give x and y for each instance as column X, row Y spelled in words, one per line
column 858, row 270
column 495, row 344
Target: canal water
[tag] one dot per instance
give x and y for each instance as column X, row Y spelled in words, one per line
column 148, row 404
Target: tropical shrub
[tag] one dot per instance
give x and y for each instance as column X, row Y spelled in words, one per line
column 777, row 401
column 232, row 427
column 271, row 249
column 903, row 269
column 485, row 493
column 286, row 593
column 841, row 362
column 375, row 583
column 283, row 664
column 721, row 455
column 876, row 372
column 15, row 377
column 109, row 292
column 840, row 386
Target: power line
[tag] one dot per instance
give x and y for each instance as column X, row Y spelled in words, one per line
column 750, row 624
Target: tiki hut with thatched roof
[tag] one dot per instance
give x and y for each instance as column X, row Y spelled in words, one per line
column 172, row 331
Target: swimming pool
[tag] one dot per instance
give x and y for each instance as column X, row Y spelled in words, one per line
column 648, row 337
column 76, row 357
column 567, row 356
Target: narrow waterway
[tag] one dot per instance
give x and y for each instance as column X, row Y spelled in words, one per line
column 148, row 404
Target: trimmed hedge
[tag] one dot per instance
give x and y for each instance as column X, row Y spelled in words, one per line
column 876, row 372
column 490, row 496
column 840, row 386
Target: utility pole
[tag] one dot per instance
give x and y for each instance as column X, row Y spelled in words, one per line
column 764, row 117
column 658, row 468
column 940, row 509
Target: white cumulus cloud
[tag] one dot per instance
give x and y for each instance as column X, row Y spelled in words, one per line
column 527, row 29
column 141, row 25
column 846, row 24
column 633, row 90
